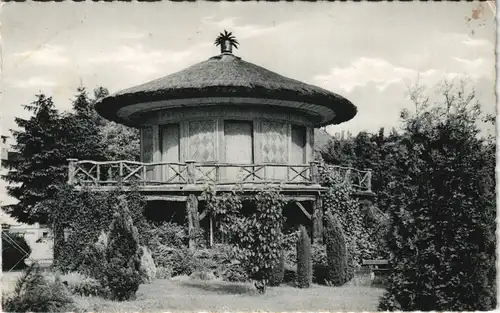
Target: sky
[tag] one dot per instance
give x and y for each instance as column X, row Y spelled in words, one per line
column 367, row 52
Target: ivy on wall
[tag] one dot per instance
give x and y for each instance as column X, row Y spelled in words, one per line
column 85, row 215
column 339, row 201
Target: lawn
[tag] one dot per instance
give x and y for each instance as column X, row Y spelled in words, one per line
column 184, row 294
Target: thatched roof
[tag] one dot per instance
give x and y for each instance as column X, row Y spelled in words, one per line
column 229, row 76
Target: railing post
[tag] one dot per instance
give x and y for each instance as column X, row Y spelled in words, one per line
column 71, row 171
column 191, row 175
column 121, row 169
column 314, row 172
column 369, row 180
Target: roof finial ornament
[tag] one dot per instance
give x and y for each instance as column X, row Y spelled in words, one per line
column 226, row 41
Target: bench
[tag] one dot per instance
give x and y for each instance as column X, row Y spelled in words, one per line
column 377, row 265
column 378, row 269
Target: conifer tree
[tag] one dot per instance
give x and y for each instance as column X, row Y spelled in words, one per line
column 336, row 251
column 34, row 176
column 304, row 259
column 123, row 255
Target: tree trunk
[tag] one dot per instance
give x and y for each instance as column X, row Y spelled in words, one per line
column 193, row 219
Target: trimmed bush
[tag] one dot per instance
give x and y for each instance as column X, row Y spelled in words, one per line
column 123, row 255
column 278, row 272
column 304, row 260
column 88, row 287
column 12, row 256
column 34, row 293
column 336, row 252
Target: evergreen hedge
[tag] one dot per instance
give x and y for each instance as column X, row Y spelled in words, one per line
column 123, row 255
column 336, row 252
column 304, row 259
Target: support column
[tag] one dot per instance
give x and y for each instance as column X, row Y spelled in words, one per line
column 211, row 230
column 59, row 240
column 193, row 219
column 317, row 206
column 156, row 152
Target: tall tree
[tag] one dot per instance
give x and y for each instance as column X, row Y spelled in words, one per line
column 84, row 140
column 45, row 142
column 442, row 239
column 121, row 142
column 34, row 176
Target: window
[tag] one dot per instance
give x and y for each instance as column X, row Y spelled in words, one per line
column 298, row 149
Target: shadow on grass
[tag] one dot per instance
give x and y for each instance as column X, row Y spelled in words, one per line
column 220, row 287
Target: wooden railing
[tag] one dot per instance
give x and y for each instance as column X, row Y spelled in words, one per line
column 359, row 180
column 109, row 173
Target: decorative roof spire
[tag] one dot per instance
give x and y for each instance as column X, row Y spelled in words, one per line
column 226, row 41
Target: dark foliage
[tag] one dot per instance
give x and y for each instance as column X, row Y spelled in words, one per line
column 304, row 259
column 442, row 236
column 86, row 214
column 45, row 142
column 15, row 250
column 123, row 255
column 257, row 237
column 89, row 287
column 40, row 168
column 35, row 293
column 278, row 272
column 336, row 251
column 320, row 264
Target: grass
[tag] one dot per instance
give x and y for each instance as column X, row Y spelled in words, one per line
column 184, row 294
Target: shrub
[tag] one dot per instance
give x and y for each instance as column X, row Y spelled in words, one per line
column 443, row 210
column 202, row 275
column 167, row 234
column 183, row 262
column 34, row 293
column 336, row 251
column 278, row 271
column 235, row 273
column 304, row 261
column 290, row 250
column 123, row 255
column 148, row 266
column 320, row 264
column 92, row 260
column 258, row 236
column 163, row 272
column 12, row 256
column 168, row 246
column 89, row 287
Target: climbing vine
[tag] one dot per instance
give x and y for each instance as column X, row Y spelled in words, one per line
column 256, row 237
column 85, row 214
column 339, row 201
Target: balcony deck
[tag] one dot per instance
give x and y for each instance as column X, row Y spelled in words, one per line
column 174, row 181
